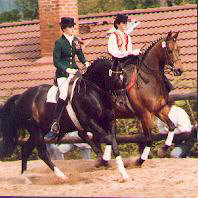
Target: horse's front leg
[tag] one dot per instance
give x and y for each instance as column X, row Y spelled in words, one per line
column 116, row 151
column 44, row 155
column 163, row 116
column 98, row 134
column 94, row 142
column 146, row 121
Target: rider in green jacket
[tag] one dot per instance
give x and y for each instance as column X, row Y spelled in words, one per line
column 66, row 47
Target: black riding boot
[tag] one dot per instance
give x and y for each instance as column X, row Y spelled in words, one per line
column 56, row 118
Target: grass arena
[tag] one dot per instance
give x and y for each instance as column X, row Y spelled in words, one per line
column 166, row 178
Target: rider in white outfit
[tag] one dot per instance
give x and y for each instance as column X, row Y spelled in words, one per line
column 183, row 125
column 57, row 151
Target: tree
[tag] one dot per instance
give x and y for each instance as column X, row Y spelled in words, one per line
column 24, row 10
column 97, row 6
column 9, row 16
column 140, row 4
column 28, row 9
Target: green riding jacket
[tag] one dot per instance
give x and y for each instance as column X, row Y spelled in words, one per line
column 64, row 55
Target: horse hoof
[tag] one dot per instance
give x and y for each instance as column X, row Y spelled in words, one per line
column 123, row 180
column 60, row 174
column 26, row 180
column 139, row 162
column 161, row 153
column 101, row 162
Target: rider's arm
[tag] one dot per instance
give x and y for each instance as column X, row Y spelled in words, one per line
column 134, row 52
column 81, row 56
column 57, row 57
column 113, row 48
column 79, row 52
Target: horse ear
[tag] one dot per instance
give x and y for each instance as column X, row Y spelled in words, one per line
column 169, row 35
column 176, row 35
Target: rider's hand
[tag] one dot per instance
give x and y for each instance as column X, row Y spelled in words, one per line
column 87, row 64
column 135, row 52
column 71, row 71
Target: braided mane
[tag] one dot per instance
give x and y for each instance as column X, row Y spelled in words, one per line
column 98, row 63
column 145, row 51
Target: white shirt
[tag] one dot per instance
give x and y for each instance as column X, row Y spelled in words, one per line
column 180, row 118
column 113, row 48
column 69, row 38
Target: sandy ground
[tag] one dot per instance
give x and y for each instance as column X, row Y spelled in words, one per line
column 157, row 178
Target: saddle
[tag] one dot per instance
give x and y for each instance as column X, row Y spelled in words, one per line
column 53, row 92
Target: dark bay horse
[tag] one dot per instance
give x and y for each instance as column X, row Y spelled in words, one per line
column 93, row 106
column 149, row 95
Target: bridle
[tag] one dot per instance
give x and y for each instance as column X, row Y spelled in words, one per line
column 121, row 76
column 170, row 63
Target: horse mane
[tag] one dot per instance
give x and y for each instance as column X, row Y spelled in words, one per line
column 101, row 61
column 145, row 51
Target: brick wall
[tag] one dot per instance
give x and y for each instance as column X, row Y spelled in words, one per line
column 50, row 13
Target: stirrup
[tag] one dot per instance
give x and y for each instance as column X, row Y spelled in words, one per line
column 50, row 136
column 55, row 127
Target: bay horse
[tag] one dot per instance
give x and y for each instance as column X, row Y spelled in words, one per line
column 93, row 106
column 148, row 96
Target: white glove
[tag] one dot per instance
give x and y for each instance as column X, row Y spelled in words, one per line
column 87, row 64
column 131, row 25
column 71, row 71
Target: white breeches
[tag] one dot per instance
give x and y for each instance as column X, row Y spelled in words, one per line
column 63, row 84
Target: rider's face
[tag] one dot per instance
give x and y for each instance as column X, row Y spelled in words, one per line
column 69, row 30
column 122, row 26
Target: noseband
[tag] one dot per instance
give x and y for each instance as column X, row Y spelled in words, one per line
column 117, row 91
column 114, row 72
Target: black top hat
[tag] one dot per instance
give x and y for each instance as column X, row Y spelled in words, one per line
column 121, row 18
column 67, row 22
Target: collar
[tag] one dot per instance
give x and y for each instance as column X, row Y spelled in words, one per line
column 70, row 38
column 120, row 32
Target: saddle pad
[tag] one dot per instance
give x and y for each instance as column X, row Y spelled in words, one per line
column 52, row 94
column 52, row 98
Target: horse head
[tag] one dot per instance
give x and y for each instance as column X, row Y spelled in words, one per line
column 171, row 52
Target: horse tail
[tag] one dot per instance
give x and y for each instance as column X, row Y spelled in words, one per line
column 8, row 127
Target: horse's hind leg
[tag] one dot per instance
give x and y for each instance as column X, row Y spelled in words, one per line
column 94, row 142
column 90, row 141
column 44, row 155
column 111, row 139
column 163, row 116
column 146, row 121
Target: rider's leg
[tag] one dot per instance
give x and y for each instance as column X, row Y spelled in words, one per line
column 63, row 84
column 85, row 153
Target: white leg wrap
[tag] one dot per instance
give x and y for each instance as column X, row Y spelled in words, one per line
column 58, row 173
column 145, row 153
column 121, row 167
column 27, row 181
column 169, row 138
column 107, row 153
